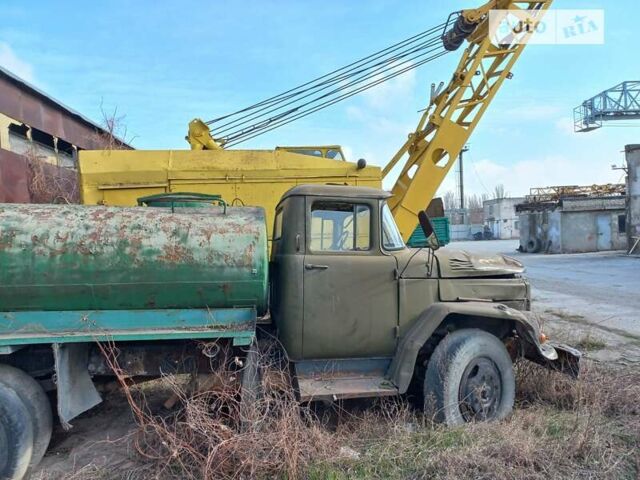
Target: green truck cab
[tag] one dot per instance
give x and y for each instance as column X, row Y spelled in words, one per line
column 358, row 313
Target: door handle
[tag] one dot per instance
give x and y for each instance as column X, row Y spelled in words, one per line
column 311, row 266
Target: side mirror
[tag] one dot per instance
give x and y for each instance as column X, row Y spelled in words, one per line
column 428, row 230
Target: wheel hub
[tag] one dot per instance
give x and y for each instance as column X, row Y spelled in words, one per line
column 480, row 390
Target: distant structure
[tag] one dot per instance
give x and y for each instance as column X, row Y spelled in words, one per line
column 573, row 219
column 633, row 197
column 501, row 217
column 621, row 102
column 35, row 128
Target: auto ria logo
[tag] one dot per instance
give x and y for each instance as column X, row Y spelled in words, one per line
column 551, row 27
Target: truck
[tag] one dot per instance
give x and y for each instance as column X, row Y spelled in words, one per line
column 355, row 311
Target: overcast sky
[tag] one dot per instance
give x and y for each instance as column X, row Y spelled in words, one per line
column 162, row 63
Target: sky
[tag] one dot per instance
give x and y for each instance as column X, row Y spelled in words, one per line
column 159, row 64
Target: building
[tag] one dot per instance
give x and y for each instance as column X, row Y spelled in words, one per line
column 39, row 132
column 501, row 217
column 632, row 153
column 573, row 219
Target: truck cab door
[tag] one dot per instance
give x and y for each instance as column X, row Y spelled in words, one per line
column 349, row 283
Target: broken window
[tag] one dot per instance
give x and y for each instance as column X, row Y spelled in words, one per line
column 622, row 224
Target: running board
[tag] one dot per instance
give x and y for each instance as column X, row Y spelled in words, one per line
column 337, row 379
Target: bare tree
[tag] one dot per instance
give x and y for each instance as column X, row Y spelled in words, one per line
column 450, row 200
column 49, row 183
column 114, row 135
column 499, row 192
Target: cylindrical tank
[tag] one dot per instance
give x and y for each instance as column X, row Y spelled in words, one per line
column 76, row 257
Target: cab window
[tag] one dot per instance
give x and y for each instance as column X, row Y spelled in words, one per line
column 391, row 238
column 334, row 155
column 340, row 227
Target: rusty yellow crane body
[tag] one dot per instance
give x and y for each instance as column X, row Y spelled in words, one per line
column 241, row 177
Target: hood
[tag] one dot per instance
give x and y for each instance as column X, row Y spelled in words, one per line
column 459, row 263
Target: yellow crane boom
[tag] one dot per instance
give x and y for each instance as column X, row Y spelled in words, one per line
column 260, row 177
column 454, row 112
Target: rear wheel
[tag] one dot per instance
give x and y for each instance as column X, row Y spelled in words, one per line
column 16, row 435
column 469, row 378
column 35, row 400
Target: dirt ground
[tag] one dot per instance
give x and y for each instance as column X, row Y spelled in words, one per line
column 586, row 300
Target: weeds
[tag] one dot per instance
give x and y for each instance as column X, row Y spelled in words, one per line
column 561, row 428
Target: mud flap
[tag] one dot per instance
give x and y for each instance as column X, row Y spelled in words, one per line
column 558, row 357
column 76, row 391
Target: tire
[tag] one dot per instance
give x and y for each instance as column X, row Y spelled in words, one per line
column 16, row 435
column 35, row 399
column 469, row 378
column 533, row 245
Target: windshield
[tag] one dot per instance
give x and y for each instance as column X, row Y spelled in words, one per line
column 391, row 238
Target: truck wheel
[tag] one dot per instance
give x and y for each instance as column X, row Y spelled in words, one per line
column 16, row 435
column 469, row 378
column 35, row 400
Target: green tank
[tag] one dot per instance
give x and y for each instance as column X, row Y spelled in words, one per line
column 76, row 257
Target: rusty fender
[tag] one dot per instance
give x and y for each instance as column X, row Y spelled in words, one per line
column 554, row 356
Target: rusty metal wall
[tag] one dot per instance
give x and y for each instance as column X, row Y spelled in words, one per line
column 23, row 103
column 15, row 178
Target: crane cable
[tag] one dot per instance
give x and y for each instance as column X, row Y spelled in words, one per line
column 312, row 96
column 368, row 73
column 310, row 84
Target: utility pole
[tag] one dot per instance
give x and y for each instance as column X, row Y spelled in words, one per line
column 461, row 179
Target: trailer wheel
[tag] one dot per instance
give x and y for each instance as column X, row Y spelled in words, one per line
column 35, row 400
column 469, row 378
column 16, row 435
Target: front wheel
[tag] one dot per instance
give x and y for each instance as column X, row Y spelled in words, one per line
column 469, row 378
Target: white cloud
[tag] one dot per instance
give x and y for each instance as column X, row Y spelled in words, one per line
column 10, row 61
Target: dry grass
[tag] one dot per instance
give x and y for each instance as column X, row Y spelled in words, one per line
column 561, row 429
column 50, row 184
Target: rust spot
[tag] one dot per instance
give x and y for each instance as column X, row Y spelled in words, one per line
column 176, row 254
column 6, row 239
